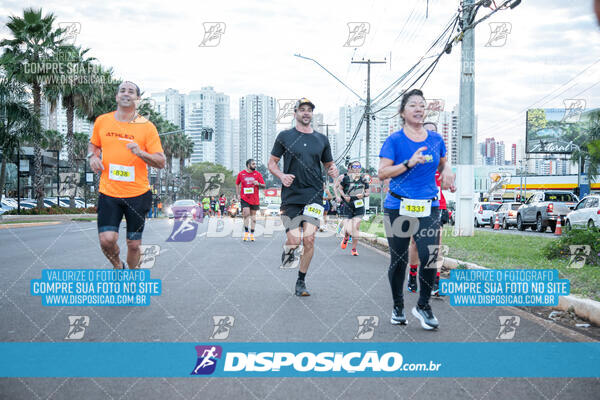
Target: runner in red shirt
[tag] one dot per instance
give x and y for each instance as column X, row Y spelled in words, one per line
column 222, row 204
column 247, row 184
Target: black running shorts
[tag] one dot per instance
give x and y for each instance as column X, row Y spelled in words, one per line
column 293, row 218
column 135, row 209
column 251, row 206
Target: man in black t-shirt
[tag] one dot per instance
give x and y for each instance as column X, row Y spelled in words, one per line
column 303, row 150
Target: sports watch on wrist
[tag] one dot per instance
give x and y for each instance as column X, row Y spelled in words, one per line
column 91, row 153
column 405, row 163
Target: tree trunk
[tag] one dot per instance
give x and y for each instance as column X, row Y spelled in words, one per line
column 3, row 173
column 70, row 148
column 38, row 182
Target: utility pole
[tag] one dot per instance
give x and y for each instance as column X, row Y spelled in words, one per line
column 368, row 105
column 466, row 127
column 327, row 128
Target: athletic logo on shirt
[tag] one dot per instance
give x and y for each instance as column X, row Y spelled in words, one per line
column 208, row 357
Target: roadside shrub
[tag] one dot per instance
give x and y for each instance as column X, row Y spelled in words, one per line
column 53, row 211
column 560, row 248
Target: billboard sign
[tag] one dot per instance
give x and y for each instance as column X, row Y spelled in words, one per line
column 548, row 131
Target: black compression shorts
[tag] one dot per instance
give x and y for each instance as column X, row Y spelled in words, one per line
column 251, row 206
column 135, row 209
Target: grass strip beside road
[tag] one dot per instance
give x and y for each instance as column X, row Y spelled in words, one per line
column 28, row 221
column 503, row 251
column 85, row 219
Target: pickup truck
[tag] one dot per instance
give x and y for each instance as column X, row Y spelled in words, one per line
column 543, row 209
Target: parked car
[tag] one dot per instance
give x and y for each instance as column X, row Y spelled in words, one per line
column 544, row 209
column 586, row 213
column 273, row 210
column 507, row 214
column 185, row 207
column 484, row 212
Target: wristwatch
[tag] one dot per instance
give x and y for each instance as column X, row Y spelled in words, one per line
column 405, row 163
column 91, row 153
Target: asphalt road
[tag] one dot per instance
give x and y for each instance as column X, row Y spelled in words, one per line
column 219, row 275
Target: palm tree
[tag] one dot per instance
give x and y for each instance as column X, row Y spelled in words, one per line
column 74, row 92
column 34, row 41
column 102, row 100
column 185, row 149
column 52, row 140
column 16, row 121
column 80, row 144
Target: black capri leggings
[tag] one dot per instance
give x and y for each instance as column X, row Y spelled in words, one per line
column 426, row 232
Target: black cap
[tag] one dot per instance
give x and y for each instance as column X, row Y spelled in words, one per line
column 303, row 100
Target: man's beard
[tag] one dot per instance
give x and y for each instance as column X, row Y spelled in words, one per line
column 252, row 168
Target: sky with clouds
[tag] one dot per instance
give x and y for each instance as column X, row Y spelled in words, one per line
column 156, row 44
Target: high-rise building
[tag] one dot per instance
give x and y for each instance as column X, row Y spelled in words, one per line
column 316, row 123
column 386, row 122
column 57, row 119
column 171, row 105
column 258, row 115
column 200, row 115
column 236, row 161
column 222, row 131
column 500, row 156
column 350, row 116
column 513, row 154
column 454, row 136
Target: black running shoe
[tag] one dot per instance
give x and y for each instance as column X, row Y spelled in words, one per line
column 412, row 281
column 398, row 317
column 288, row 259
column 301, row 288
column 425, row 315
column 436, row 288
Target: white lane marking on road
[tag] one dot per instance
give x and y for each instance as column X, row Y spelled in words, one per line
column 82, row 230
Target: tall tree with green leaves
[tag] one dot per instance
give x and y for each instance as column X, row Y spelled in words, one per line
column 74, row 92
column 33, row 42
column 16, row 122
column 589, row 145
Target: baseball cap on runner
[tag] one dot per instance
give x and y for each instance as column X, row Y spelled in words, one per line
column 303, row 100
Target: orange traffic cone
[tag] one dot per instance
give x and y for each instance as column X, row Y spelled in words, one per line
column 496, row 224
column 558, row 230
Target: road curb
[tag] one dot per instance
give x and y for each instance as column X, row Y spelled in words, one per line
column 53, row 217
column 583, row 308
column 25, row 225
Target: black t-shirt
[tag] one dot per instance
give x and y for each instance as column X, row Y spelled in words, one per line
column 302, row 154
column 353, row 187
